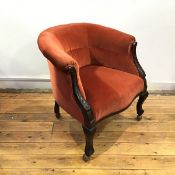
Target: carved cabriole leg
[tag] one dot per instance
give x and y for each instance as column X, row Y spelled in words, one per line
column 57, row 110
column 144, row 94
column 89, row 136
column 89, row 120
column 140, row 102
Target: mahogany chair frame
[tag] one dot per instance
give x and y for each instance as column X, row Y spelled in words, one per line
column 89, row 126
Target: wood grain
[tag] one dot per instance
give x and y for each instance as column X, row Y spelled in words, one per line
column 34, row 142
column 104, row 148
column 97, row 162
column 55, row 171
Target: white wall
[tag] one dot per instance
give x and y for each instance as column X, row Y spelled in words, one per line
column 151, row 21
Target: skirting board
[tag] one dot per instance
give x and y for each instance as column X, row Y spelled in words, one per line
column 44, row 83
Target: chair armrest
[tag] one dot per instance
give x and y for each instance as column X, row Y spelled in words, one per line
column 89, row 119
column 54, row 52
column 76, row 91
column 139, row 67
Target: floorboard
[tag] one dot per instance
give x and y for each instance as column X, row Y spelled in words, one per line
column 34, row 142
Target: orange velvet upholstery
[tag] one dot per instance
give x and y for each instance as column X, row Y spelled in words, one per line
column 62, row 91
column 109, row 90
column 107, row 76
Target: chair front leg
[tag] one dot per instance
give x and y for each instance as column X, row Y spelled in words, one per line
column 140, row 102
column 89, row 136
column 89, row 120
column 57, row 110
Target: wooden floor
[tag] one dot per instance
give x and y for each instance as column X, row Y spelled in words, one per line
column 34, row 142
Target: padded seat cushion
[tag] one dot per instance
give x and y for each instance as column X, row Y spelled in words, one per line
column 109, row 90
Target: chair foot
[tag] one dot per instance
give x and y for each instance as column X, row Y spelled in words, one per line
column 140, row 102
column 139, row 117
column 89, row 136
column 57, row 115
column 86, row 158
column 57, row 110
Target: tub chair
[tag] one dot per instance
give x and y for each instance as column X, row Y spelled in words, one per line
column 94, row 73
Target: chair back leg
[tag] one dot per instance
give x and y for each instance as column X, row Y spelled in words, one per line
column 140, row 102
column 57, row 110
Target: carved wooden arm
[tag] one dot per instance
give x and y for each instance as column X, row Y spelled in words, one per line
column 139, row 67
column 83, row 104
column 137, row 64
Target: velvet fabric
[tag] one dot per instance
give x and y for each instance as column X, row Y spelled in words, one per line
column 109, row 90
column 62, row 92
column 97, row 53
